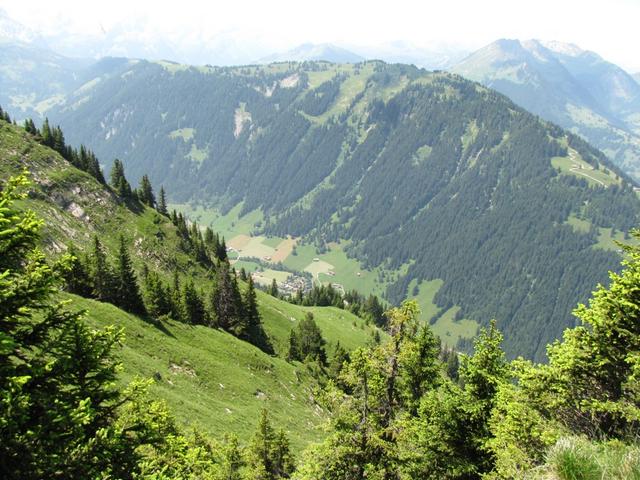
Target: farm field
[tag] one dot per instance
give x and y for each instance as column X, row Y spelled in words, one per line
column 334, row 266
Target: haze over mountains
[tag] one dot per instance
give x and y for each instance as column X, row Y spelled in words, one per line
column 574, row 88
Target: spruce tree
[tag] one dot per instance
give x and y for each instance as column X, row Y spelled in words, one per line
column 77, row 277
column 119, row 181
column 46, row 134
column 221, row 252
column 30, row 127
column 157, row 298
column 146, row 195
column 273, row 289
column 193, row 305
column 338, row 360
column 127, row 292
column 102, row 276
column 269, row 455
column 255, row 333
column 305, row 341
column 177, row 306
column 162, row 202
column 226, row 302
column 60, row 408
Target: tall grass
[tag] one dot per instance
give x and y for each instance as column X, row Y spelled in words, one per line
column 577, row 458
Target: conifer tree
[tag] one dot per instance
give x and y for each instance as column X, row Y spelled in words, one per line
column 338, row 360
column 305, row 341
column 93, row 168
column 58, row 141
column 77, row 278
column 221, row 252
column 30, row 127
column 255, row 333
column 230, row 468
column 193, row 305
column 226, row 302
column 162, row 202
column 269, row 455
column 46, row 134
column 102, row 276
column 273, row 289
column 127, row 292
column 177, row 306
column 145, row 194
column 60, row 409
column 157, row 298
column 119, row 181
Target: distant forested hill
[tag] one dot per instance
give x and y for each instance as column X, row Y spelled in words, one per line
column 425, row 173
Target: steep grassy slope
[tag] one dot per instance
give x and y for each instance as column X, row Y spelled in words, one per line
column 212, row 380
column 208, row 377
column 424, row 175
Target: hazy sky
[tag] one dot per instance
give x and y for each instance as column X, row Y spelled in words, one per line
column 608, row 27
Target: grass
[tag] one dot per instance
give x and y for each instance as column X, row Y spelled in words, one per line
column 425, row 297
column 576, row 458
column 346, row 269
column 336, row 324
column 266, row 277
column 450, row 330
column 256, row 248
column 172, row 67
column 228, row 225
column 579, row 225
column 574, row 164
column 218, row 383
column 421, row 155
column 207, row 376
column 198, row 155
column 606, row 237
column 272, row 242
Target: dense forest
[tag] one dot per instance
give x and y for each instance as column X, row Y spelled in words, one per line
column 419, row 171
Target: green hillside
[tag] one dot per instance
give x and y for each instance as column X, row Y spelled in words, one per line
column 213, row 381
column 208, row 377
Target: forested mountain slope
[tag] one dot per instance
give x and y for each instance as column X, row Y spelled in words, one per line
column 425, row 171
column 574, row 88
column 207, row 376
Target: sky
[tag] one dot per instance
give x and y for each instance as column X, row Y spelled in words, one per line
column 258, row 27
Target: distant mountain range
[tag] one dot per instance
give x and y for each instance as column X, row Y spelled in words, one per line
column 636, row 76
column 572, row 87
column 314, row 52
column 394, row 52
column 24, row 66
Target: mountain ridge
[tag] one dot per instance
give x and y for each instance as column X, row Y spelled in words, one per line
column 572, row 87
column 313, row 52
